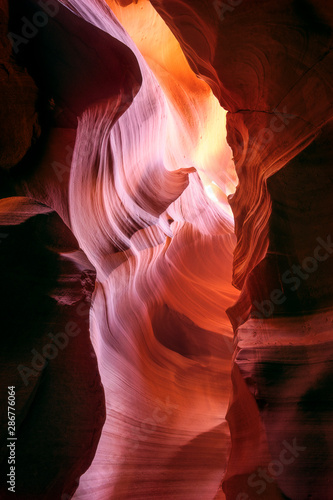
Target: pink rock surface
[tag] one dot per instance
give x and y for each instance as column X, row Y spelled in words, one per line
column 167, row 193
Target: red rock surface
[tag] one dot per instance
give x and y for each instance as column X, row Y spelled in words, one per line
column 271, row 68
column 166, row 186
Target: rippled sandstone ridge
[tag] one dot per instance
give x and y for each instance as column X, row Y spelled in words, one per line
column 167, row 248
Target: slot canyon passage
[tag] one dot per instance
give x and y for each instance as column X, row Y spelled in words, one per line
column 166, row 249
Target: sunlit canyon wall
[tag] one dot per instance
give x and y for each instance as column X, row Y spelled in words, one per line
column 166, row 248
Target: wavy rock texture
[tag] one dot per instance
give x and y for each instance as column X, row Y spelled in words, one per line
column 275, row 81
column 163, row 254
column 269, row 79
column 137, row 181
column 115, row 197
